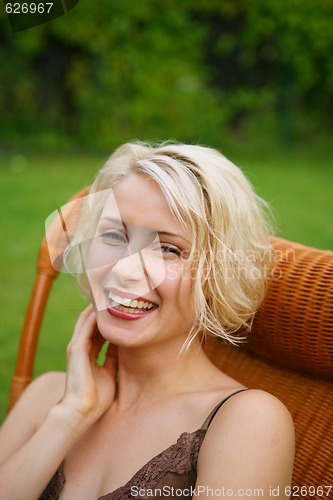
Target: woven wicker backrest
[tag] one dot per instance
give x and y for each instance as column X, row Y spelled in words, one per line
column 294, row 325
column 289, row 354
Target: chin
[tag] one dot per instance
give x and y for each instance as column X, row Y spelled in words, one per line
column 118, row 332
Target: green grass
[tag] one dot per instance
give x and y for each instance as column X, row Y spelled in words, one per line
column 297, row 185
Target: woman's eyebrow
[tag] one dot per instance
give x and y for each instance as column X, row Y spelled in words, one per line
column 114, row 220
column 167, row 233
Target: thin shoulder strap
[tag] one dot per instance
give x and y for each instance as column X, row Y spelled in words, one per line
column 212, row 414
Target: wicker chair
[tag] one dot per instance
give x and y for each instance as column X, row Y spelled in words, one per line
column 289, row 353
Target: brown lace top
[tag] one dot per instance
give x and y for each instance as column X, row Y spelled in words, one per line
column 172, row 473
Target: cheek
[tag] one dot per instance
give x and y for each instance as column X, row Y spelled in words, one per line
column 176, row 284
column 187, row 294
column 173, row 273
column 96, row 279
column 95, row 276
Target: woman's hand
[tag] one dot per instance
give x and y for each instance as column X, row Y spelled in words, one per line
column 90, row 388
column 25, row 436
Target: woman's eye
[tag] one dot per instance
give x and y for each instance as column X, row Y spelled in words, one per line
column 113, row 237
column 170, row 250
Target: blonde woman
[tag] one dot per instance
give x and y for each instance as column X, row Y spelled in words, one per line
column 172, row 249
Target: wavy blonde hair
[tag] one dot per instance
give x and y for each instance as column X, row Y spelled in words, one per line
column 230, row 255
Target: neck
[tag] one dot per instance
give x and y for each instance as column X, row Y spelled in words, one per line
column 150, row 374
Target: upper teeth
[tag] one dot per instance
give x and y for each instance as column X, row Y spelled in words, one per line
column 130, row 303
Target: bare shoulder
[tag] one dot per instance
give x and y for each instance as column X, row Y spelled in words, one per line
column 255, row 404
column 30, row 410
column 44, row 391
column 39, row 396
column 252, row 410
column 249, row 442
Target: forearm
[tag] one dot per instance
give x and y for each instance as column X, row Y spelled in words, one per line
column 26, row 473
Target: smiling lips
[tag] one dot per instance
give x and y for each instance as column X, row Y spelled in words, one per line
column 126, row 305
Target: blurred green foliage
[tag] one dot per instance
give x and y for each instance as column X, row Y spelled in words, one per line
column 195, row 71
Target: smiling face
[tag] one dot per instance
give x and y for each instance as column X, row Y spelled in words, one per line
column 135, row 267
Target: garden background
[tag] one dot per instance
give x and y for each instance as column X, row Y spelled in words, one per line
column 251, row 78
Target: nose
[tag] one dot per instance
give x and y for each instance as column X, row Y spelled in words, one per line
column 130, row 270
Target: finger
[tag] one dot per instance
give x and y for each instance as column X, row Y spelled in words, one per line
column 84, row 315
column 86, row 311
column 85, row 326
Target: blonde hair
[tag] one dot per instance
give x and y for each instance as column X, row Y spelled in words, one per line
column 230, row 256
